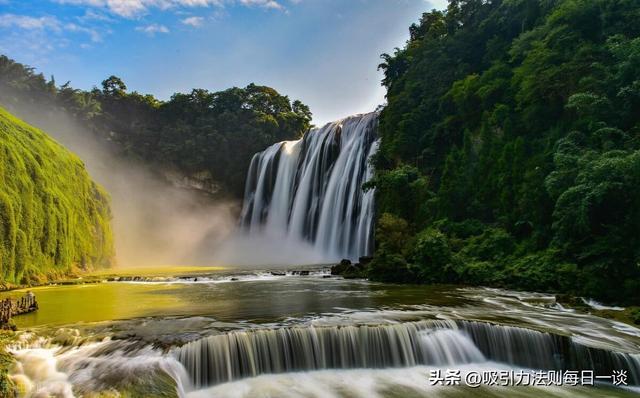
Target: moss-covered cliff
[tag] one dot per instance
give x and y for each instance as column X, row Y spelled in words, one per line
column 53, row 218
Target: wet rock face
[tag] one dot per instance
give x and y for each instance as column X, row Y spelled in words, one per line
column 201, row 181
column 301, row 273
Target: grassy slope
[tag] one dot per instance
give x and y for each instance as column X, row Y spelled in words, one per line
column 53, row 218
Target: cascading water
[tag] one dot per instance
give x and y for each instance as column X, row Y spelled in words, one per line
column 240, row 354
column 331, row 350
column 236, row 355
column 311, row 189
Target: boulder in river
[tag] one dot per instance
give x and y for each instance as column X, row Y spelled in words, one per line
column 301, row 273
column 340, row 268
column 348, row 270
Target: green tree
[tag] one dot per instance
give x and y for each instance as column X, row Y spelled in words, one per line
column 113, row 86
column 521, row 119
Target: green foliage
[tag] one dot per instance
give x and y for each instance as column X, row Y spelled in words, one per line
column 493, row 244
column 404, row 192
column 542, row 271
column 53, row 218
column 595, row 221
column 221, row 131
column 393, row 231
column 522, row 122
column 432, row 257
column 216, row 132
column 389, row 263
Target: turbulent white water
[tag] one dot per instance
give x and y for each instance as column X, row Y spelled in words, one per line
column 412, row 382
column 271, row 359
column 310, row 190
column 599, row 306
column 374, row 348
column 49, row 370
column 250, row 353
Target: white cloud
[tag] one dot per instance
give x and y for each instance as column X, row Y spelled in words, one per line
column 29, row 23
column 33, row 38
column 93, row 34
column 124, row 8
column 263, row 3
column 45, row 23
column 193, row 21
column 90, row 15
column 152, row 29
column 133, row 8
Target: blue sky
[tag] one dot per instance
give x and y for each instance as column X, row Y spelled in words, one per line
column 323, row 52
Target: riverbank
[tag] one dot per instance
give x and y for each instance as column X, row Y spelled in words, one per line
column 53, row 278
column 629, row 315
column 112, row 274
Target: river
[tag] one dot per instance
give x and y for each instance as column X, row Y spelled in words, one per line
column 240, row 333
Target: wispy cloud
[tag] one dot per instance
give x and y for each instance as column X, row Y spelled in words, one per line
column 134, row 8
column 35, row 38
column 91, row 15
column 29, row 23
column 263, row 3
column 193, row 21
column 124, row 8
column 45, row 23
column 32, row 37
column 152, row 29
column 92, row 33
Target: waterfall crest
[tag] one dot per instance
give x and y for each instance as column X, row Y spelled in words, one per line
column 240, row 354
column 311, row 189
column 249, row 353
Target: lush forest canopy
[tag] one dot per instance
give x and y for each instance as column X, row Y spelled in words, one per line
column 53, row 218
column 510, row 151
column 214, row 132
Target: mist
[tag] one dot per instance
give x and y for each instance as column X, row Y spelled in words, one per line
column 154, row 222
column 268, row 249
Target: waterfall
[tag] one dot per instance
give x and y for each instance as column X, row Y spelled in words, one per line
column 311, row 189
column 239, row 354
column 541, row 350
column 248, row 353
